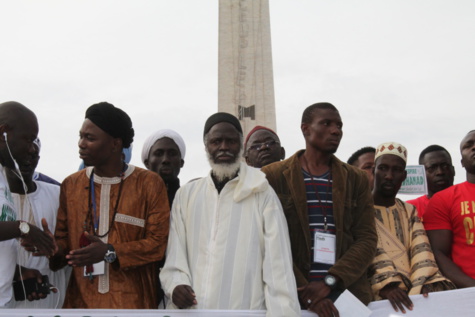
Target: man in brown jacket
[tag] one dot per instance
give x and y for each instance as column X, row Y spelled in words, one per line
column 329, row 211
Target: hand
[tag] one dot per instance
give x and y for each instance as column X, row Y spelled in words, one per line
column 324, row 308
column 426, row 289
column 91, row 254
column 32, row 273
column 183, row 296
column 40, row 242
column 397, row 297
column 313, row 292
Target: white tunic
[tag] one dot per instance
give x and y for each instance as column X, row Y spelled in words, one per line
column 7, row 248
column 45, row 203
column 232, row 248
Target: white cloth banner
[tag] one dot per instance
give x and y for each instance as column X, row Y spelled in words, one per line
column 458, row 302
column 449, row 303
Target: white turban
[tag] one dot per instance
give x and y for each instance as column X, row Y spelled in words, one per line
column 160, row 134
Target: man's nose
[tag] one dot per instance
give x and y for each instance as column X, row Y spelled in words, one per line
column 336, row 129
column 389, row 175
column 224, row 145
column 166, row 158
column 81, row 143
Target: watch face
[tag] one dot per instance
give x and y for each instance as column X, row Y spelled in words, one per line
column 330, row 280
column 24, row 228
column 110, row 256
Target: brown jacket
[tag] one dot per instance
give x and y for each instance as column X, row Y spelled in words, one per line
column 354, row 222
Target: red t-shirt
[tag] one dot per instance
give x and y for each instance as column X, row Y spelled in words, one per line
column 454, row 209
column 420, row 203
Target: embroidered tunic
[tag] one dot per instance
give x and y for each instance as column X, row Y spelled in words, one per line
column 139, row 235
column 404, row 255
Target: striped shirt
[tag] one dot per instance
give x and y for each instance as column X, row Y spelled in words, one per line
column 319, row 205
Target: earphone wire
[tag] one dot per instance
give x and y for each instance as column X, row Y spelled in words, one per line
column 59, row 295
column 25, row 189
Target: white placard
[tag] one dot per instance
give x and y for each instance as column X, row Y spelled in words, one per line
column 416, row 182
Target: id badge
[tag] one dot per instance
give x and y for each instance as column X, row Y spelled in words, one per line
column 324, row 248
column 99, row 269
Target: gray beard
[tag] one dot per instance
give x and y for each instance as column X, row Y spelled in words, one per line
column 224, row 171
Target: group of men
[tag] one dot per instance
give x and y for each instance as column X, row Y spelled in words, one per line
column 293, row 235
column 407, row 262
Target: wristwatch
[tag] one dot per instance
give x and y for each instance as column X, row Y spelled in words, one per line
column 24, row 228
column 330, row 281
column 110, row 255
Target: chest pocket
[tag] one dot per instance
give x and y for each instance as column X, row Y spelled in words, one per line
column 129, row 228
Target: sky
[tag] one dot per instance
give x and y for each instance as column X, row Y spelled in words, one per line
column 401, row 70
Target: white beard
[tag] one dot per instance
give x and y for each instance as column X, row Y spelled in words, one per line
column 225, row 170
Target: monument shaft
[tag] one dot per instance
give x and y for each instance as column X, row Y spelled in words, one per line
column 245, row 76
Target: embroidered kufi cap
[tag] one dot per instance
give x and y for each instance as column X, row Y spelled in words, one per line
column 391, row 148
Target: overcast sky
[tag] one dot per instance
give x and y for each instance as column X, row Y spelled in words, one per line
column 401, row 70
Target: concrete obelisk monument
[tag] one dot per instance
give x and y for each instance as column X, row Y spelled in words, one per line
column 245, row 79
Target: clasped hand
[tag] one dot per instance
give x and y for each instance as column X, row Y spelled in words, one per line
column 313, row 296
column 40, row 242
column 183, row 296
column 399, row 298
column 91, row 254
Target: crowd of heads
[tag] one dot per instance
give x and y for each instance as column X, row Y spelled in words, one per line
column 164, row 151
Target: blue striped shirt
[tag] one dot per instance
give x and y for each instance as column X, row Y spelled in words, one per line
column 317, row 206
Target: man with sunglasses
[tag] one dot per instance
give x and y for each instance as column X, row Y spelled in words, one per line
column 263, row 147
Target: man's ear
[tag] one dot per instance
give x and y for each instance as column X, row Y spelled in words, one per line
column 282, row 153
column 3, row 132
column 181, row 165
column 405, row 175
column 304, row 128
column 117, row 144
column 146, row 164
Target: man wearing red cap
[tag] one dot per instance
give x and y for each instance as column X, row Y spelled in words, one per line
column 263, row 147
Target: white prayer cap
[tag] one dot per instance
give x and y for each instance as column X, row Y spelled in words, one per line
column 391, row 148
column 160, row 134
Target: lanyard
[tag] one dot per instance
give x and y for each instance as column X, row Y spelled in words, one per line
column 92, row 195
column 324, row 212
column 95, row 219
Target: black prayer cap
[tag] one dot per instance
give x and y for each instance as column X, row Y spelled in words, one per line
column 221, row 117
column 113, row 121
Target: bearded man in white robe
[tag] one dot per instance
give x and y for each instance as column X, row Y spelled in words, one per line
column 228, row 245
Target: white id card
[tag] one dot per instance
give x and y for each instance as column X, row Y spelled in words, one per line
column 324, row 248
column 99, row 269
